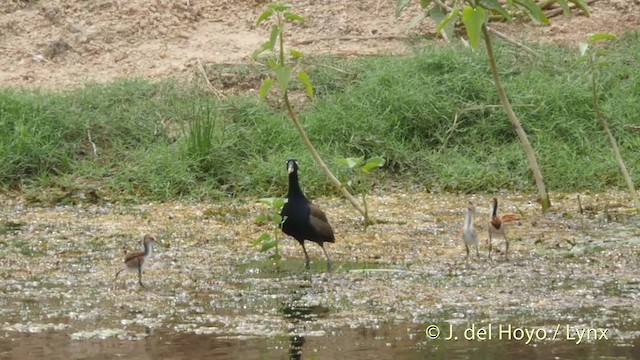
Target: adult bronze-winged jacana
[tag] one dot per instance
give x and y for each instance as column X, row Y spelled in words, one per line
column 469, row 234
column 496, row 228
column 134, row 262
column 304, row 220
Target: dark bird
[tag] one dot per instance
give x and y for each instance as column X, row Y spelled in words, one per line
column 496, row 228
column 134, row 262
column 304, row 220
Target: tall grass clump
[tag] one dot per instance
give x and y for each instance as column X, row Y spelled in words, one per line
column 200, row 141
column 33, row 139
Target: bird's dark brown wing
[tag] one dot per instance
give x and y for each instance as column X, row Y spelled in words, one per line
column 317, row 213
column 319, row 221
column 134, row 259
column 496, row 223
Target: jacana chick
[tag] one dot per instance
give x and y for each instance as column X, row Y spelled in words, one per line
column 134, row 262
column 496, row 228
column 469, row 234
column 304, row 220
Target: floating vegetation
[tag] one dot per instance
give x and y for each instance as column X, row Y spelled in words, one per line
column 406, row 271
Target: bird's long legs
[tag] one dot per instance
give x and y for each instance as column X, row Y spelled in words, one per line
column 306, row 257
column 140, row 276
column 116, row 279
column 329, row 265
column 506, row 250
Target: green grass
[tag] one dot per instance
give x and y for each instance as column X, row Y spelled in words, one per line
column 165, row 140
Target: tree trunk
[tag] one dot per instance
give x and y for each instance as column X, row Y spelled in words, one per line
column 614, row 144
column 524, row 140
column 318, row 160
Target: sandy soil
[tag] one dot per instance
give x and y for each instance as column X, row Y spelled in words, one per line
column 63, row 43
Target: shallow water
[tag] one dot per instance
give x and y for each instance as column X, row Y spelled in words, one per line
column 389, row 341
column 209, row 294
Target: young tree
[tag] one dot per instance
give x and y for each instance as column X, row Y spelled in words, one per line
column 283, row 71
column 474, row 15
column 591, row 54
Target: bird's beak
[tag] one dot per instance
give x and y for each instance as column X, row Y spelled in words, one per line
column 290, row 167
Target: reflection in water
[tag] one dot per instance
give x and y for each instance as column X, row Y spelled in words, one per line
column 295, row 347
column 300, row 312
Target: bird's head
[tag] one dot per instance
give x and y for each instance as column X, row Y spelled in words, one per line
column 292, row 166
column 148, row 239
column 471, row 208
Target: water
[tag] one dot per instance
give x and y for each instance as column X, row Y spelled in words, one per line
column 210, row 295
column 390, row 341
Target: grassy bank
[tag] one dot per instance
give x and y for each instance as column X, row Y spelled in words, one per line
column 430, row 114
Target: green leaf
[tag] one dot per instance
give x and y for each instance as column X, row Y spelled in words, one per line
column 260, row 239
column 416, row 20
column 372, row 163
column 473, row 20
column 438, row 15
column 264, row 89
column 304, row 79
column 601, row 36
column 582, row 6
column 279, row 203
column 275, row 32
column 494, row 5
column 268, row 243
column 264, row 16
column 424, row 4
column 293, row 17
column 268, row 201
column 261, row 218
column 453, row 15
column 277, row 219
column 273, row 202
column 295, row 53
column 400, row 5
column 583, row 48
column 351, row 162
column 264, row 47
column 279, row 7
column 532, row 10
column 283, row 73
column 565, row 6
column 272, row 64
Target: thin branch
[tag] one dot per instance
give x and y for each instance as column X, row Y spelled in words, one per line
column 494, row 32
column 215, row 91
column 557, row 11
column 453, row 127
column 318, row 159
column 515, row 121
column 93, row 145
column 348, row 38
column 513, row 41
column 380, row 3
column 614, row 144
